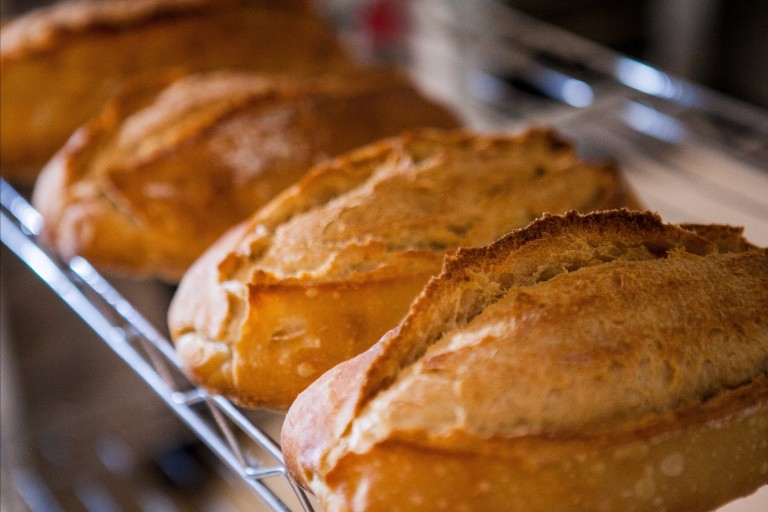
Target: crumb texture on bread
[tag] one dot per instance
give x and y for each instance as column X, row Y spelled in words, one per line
column 327, row 267
column 609, row 355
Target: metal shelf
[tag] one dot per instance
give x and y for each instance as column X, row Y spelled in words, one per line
column 243, row 447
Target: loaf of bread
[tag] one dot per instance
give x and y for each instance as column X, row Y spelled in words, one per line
column 583, row 363
column 59, row 64
column 324, row 270
column 150, row 183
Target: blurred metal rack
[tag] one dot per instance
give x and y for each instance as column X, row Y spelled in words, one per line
column 691, row 154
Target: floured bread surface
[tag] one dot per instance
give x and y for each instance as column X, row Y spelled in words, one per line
column 598, row 362
column 325, row 269
column 147, row 186
column 60, row 64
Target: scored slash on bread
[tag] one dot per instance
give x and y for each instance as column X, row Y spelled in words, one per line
column 322, row 271
column 61, row 63
column 166, row 168
column 586, row 362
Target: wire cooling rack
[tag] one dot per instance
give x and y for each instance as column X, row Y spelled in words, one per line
column 690, row 154
column 240, row 444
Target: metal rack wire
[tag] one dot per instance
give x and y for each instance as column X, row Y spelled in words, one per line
column 527, row 70
column 235, row 439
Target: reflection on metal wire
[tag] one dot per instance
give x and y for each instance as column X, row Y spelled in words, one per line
column 644, row 78
column 652, row 122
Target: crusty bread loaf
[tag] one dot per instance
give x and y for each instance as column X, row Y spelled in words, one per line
column 59, row 64
column 148, row 185
column 583, row 363
column 330, row 265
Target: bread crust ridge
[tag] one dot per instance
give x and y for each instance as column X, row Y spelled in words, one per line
column 584, row 352
column 331, row 264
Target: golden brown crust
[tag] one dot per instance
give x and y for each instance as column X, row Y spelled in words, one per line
column 148, row 185
column 331, row 264
column 60, row 64
column 582, row 363
column 46, row 28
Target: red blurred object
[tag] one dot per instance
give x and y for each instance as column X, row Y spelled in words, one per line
column 384, row 21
